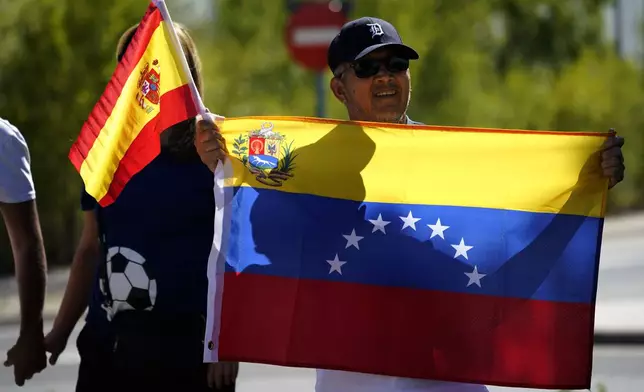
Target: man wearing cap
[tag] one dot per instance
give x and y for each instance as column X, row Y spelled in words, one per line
column 370, row 66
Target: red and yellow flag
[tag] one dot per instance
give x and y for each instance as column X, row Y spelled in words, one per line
column 148, row 93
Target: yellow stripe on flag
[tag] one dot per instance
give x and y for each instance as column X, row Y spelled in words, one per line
column 517, row 170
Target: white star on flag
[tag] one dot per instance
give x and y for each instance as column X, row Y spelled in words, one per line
column 410, row 221
column 475, row 277
column 336, row 265
column 438, row 229
column 379, row 224
column 352, row 239
column 461, row 249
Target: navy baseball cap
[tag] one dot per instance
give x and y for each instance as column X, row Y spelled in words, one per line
column 362, row 36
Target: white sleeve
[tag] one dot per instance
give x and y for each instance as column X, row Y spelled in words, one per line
column 16, row 182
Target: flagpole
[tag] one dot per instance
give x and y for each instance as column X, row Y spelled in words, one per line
column 222, row 195
column 179, row 54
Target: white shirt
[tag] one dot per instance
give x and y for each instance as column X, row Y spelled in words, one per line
column 339, row 381
column 16, row 182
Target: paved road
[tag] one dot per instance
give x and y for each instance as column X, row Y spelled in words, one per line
column 620, row 368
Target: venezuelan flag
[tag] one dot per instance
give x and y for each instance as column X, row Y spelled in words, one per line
column 149, row 92
column 442, row 253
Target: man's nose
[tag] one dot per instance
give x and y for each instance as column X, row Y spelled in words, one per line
column 383, row 72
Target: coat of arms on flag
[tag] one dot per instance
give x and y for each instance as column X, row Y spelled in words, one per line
column 148, row 86
column 266, row 154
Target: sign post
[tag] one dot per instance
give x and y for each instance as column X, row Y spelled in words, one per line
column 309, row 31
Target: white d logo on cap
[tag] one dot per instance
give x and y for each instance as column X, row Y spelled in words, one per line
column 375, row 29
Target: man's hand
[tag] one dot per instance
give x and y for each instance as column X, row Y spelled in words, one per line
column 222, row 374
column 612, row 160
column 27, row 356
column 210, row 144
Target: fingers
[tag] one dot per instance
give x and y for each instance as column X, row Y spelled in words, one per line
column 230, row 373
column 209, row 142
column 19, row 376
column 613, row 142
column 215, row 375
column 214, row 139
column 611, row 162
column 222, row 374
column 219, row 373
column 208, row 123
column 10, row 354
column 53, row 358
column 236, row 372
column 210, row 376
column 615, row 179
column 25, row 372
column 612, row 159
column 210, row 136
column 55, row 344
column 18, row 379
column 27, row 360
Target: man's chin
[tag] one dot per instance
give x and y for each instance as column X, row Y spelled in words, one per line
column 390, row 117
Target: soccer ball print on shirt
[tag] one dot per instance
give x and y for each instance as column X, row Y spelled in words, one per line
column 129, row 281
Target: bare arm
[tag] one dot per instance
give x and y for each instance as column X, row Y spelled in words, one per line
column 23, row 226
column 81, row 277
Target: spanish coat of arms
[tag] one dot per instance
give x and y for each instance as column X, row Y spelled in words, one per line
column 148, row 86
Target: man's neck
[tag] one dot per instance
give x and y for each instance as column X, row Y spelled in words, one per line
column 404, row 119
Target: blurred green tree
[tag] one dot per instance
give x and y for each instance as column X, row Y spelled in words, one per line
column 56, row 58
column 548, row 33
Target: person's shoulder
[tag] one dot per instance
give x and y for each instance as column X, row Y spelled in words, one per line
column 16, row 182
column 412, row 122
column 10, row 135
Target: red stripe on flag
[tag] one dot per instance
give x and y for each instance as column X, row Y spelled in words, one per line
column 103, row 108
column 405, row 332
column 175, row 106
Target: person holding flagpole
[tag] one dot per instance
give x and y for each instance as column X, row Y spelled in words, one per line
column 142, row 258
column 371, row 78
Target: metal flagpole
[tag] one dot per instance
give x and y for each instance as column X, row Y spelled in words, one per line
column 181, row 56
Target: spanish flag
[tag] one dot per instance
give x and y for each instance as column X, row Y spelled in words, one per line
column 149, row 92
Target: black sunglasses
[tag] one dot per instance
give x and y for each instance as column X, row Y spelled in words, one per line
column 366, row 68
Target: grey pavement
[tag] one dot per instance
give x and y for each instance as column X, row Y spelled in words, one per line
column 619, row 368
column 62, row 376
column 9, row 302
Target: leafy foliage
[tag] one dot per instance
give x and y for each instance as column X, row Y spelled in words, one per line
column 240, row 149
column 287, row 163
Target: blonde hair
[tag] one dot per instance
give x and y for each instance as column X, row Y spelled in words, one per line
column 187, row 44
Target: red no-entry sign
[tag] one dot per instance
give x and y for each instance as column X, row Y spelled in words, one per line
column 310, row 29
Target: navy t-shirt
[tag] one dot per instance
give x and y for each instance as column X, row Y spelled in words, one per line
column 158, row 235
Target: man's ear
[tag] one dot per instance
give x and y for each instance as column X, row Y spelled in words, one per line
column 338, row 89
